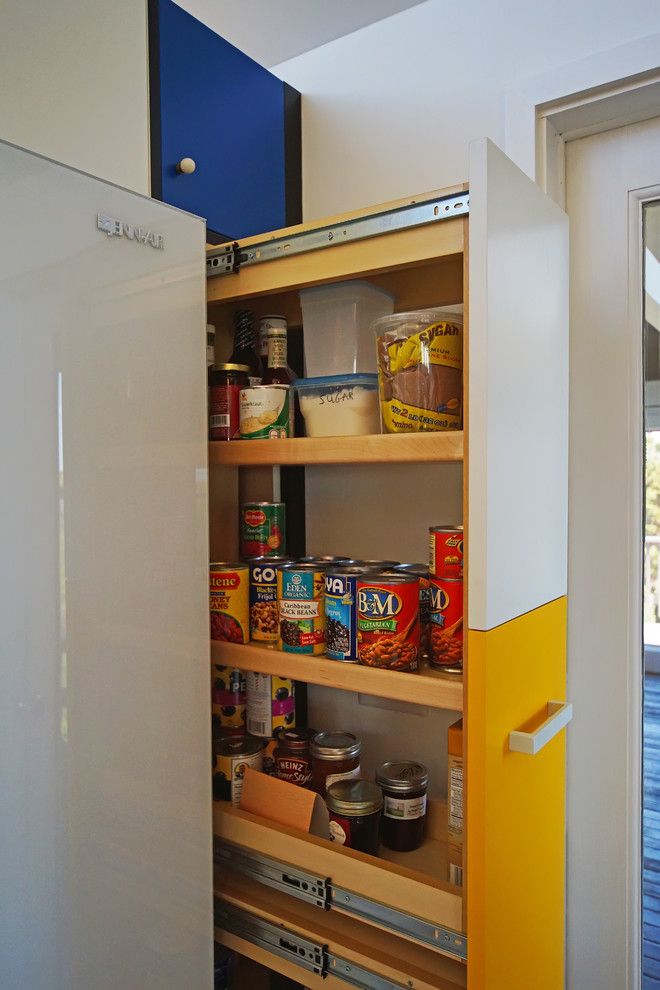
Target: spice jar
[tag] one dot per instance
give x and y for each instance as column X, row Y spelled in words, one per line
column 225, row 384
column 292, row 759
column 354, row 807
column 335, row 756
column 404, row 785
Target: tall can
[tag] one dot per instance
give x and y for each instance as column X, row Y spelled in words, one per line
column 388, row 621
column 446, row 552
column 227, row 700
column 447, row 624
column 263, row 529
column 300, row 599
column 229, row 602
column 264, row 620
column 422, row 572
column 271, row 704
column 341, row 611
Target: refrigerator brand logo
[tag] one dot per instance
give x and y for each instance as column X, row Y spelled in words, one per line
column 117, row 228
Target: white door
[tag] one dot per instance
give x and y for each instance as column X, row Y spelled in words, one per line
column 608, row 178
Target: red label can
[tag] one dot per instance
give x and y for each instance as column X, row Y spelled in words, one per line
column 226, row 382
column 446, row 552
column 388, row 621
column 446, row 622
column 229, row 602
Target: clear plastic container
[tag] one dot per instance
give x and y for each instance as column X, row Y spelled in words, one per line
column 339, row 405
column 337, row 323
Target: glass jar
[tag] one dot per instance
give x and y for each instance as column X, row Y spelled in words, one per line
column 354, row 807
column 225, row 384
column 404, row 785
column 335, row 756
column 292, row 760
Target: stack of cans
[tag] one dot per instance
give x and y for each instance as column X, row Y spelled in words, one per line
column 446, row 588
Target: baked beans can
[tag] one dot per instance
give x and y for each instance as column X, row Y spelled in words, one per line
column 422, row 572
column 388, row 621
column 341, row 612
column 229, row 602
column 271, row 704
column 446, row 552
column 263, row 529
column 263, row 598
column 447, row 623
column 300, row 599
column 231, row 758
column 227, row 700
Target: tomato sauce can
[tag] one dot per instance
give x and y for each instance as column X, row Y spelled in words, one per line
column 264, row 619
column 446, row 552
column 228, row 700
column 271, row 704
column 231, row 758
column 300, row 599
column 263, row 529
column 229, row 603
column 388, row 621
column 447, row 623
column 341, row 611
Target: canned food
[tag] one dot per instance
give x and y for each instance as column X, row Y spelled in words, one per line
column 263, row 529
column 271, row 704
column 231, row 759
column 229, row 603
column 263, row 598
column 326, row 560
column 265, row 412
column 446, row 552
column 341, row 612
column 300, row 599
column 228, row 699
column 388, row 621
column 226, row 382
column 447, row 623
column 422, row 572
column 377, row 565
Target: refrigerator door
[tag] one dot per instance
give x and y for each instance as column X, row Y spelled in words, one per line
column 105, row 829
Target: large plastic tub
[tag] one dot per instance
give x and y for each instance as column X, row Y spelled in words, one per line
column 339, row 405
column 337, row 325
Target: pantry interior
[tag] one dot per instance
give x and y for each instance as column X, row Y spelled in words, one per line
column 438, row 916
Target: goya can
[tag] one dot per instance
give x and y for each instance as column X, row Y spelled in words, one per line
column 271, row 704
column 341, row 611
column 263, row 598
column 422, row 572
column 388, row 621
column 447, row 623
column 229, row 602
column 227, row 700
column 263, row 529
column 300, row 599
column 446, row 552
column 231, row 758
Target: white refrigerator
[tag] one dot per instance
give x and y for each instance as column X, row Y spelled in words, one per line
column 105, row 803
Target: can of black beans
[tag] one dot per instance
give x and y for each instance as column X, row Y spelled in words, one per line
column 341, row 611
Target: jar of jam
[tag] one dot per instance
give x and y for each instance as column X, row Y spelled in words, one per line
column 354, row 807
column 292, row 760
column 404, row 785
column 225, row 384
column 335, row 756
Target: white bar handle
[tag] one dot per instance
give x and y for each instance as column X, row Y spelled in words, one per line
column 560, row 714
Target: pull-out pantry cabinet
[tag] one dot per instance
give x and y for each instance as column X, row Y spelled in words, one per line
column 303, row 906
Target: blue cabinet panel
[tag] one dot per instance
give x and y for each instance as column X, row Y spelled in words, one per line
column 213, row 103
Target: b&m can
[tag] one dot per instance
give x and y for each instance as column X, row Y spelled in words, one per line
column 446, row 552
column 341, row 612
column 446, row 639
column 388, row 620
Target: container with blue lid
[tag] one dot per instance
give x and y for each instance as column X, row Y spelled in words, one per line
column 339, row 405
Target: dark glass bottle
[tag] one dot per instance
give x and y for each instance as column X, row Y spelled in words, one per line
column 245, row 344
column 278, row 371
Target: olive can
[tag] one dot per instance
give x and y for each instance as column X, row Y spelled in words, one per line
column 341, row 612
column 271, row 704
column 446, row 638
column 263, row 529
column 388, row 621
column 229, row 602
column 231, row 758
column 264, row 619
column 228, row 700
column 300, row 599
column 446, row 552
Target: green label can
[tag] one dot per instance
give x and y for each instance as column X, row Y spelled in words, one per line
column 265, row 412
column 301, row 606
column 263, row 529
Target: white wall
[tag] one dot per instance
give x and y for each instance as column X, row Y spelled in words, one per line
column 73, row 84
column 390, row 109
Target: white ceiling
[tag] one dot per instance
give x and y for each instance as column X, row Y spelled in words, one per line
column 272, row 31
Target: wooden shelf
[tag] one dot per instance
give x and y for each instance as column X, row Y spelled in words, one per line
column 428, row 687
column 379, row 448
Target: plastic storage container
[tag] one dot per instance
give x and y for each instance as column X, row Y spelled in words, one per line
column 339, row 405
column 337, row 323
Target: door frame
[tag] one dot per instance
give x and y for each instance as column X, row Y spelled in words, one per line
column 605, row 91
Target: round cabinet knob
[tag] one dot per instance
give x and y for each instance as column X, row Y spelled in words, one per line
column 186, row 166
